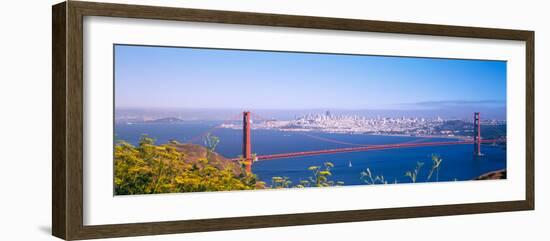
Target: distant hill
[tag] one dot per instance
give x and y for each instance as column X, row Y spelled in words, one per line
column 165, row 120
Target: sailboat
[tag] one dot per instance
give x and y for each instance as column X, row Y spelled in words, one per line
column 349, row 164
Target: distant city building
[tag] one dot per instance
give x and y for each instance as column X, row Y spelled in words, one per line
column 380, row 125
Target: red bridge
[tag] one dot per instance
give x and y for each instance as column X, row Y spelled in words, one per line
column 367, row 148
column 249, row 159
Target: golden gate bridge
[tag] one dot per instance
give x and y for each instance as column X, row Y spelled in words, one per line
column 248, row 159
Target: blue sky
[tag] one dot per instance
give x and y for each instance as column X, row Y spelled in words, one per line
column 167, row 77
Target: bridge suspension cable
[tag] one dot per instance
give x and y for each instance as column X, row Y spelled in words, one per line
column 209, row 131
column 330, row 140
column 419, row 139
column 497, row 130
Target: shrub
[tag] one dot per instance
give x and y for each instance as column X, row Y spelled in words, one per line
column 150, row 168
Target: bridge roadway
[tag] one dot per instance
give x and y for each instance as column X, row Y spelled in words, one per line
column 368, row 148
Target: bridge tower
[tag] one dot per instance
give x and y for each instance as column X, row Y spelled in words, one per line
column 477, row 135
column 247, row 147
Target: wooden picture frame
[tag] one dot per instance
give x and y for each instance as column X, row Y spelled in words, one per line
column 67, row 152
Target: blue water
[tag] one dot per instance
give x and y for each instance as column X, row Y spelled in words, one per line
column 458, row 161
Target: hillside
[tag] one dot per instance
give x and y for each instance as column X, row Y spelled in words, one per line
column 174, row 167
column 500, row 174
column 193, row 153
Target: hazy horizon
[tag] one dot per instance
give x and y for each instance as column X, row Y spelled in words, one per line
column 282, row 114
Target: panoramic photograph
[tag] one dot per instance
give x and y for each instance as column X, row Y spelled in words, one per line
column 201, row 119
